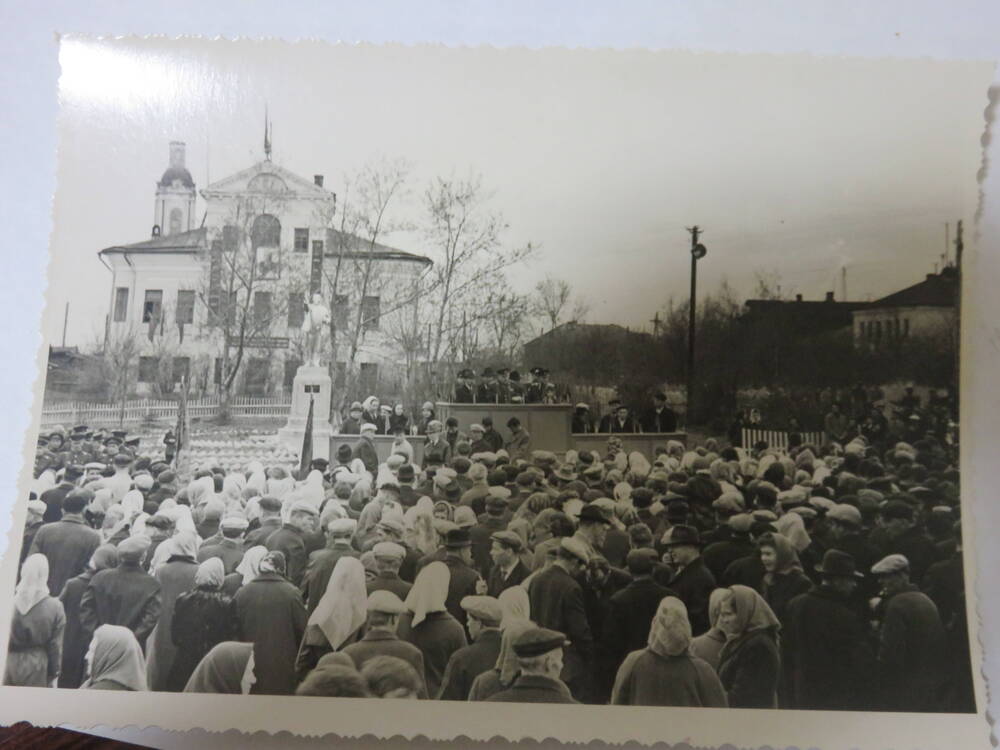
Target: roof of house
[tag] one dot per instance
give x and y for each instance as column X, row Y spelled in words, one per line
column 355, row 246
column 182, row 242
column 936, row 290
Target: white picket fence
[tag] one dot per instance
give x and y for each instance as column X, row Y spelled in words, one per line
column 778, row 439
column 94, row 414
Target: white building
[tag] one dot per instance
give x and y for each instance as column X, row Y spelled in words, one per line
column 924, row 310
column 265, row 241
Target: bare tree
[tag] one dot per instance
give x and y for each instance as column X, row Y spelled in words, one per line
column 768, row 284
column 553, row 297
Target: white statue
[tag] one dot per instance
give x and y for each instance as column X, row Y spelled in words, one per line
column 316, row 319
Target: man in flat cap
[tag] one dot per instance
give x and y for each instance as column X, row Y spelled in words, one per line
column 631, row 609
column 912, row 648
column 846, row 533
column 905, row 537
column 339, row 533
column 290, row 538
column 67, row 543
column 494, row 519
column 465, row 387
column 126, row 595
column 389, row 557
column 720, row 555
column 507, row 569
column 660, row 417
column 540, row 654
column 384, row 609
column 229, row 548
column 557, row 602
column 825, row 655
column 464, row 665
column 270, row 521
column 692, row 580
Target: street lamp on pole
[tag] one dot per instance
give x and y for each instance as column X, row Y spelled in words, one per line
column 698, row 252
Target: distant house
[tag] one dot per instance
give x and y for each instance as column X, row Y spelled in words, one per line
column 799, row 317
column 588, row 353
column 66, row 366
column 924, row 309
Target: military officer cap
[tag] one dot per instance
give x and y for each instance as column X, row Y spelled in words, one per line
column 487, row 609
column 538, row 641
column 891, row 564
column 385, row 602
column 390, row 550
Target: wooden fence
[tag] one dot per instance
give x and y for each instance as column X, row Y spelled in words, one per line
column 778, row 439
column 73, row 413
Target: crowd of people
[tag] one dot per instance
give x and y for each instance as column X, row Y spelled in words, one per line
column 827, row 577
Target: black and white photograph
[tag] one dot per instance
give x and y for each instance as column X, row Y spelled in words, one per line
column 607, row 378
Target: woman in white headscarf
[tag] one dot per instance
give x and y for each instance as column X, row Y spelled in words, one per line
column 338, row 616
column 279, row 483
column 202, row 618
column 115, row 526
column 427, row 624
column 115, row 660
column 418, row 522
column 176, row 576
column 34, row 653
column 516, row 605
column 312, row 489
column 665, row 673
column 246, row 571
column 199, row 488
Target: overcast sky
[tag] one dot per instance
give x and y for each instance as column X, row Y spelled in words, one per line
column 793, row 165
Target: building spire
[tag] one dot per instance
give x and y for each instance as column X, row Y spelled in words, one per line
column 267, row 135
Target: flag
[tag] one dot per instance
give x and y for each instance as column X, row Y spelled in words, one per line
column 181, row 431
column 307, row 443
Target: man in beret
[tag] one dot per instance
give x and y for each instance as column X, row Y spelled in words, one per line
column 903, row 536
column 691, row 579
column 126, row 595
column 67, row 543
column 270, row 521
column 464, row 665
column 339, row 532
column 289, row 539
column 384, row 609
column 389, row 557
column 229, row 548
column 825, row 656
column 540, row 655
column 507, row 569
column 912, row 649
column 557, row 602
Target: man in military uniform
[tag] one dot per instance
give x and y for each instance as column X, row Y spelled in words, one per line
column 486, row 393
column 534, row 392
column 516, row 388
column 465, row 392
column 503, row 385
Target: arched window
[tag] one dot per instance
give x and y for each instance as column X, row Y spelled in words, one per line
column 267, row 183
column 266, row 231
column 175, row 221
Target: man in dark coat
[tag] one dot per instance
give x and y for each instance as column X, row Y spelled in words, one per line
column 32, row 523
column 67, row 543
column 54, row 496
column 631, row 610
column 556, row 598
column 352, row 425
column 692, row 580
column 905, row 537
column 290, row 539
column 380, row 639
column 507, row 569
column 492, row 438
column 465, row 665
column 270, row 613
column 539, row 653
column 702, row 490
column 270, row 521
column 825, row 656
column 230, row 547
column 322, row 562
column 719, row 555
column 493, row 520
column 464, row 580
column 912, row 648
column 660, row 418
column 365, row 448
column 389, row 557
column 465, row 387
column 126, row 595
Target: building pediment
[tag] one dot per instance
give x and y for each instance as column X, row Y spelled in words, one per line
column 267, row 179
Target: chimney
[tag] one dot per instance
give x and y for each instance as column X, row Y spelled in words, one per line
column 318, row 179
column 829, row 296
column 176, row 153
column 798, row 297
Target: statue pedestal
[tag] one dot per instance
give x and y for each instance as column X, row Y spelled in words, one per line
column 309, row 381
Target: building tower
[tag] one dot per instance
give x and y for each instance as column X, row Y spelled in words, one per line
column 175, row 194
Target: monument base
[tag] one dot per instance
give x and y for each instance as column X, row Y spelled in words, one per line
column 311, row 381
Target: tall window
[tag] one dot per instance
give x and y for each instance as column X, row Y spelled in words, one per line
column 121, row 304
column 301, row 239
column 261, row 309
column 182, row 369
column 257, row 372
column 148, row 367
column 266, row 231
column 341, row 305
column 175, row 221
column 296, row 310
column 368, row 377
column 152, row 305
column 370, row 313
column 185, row 306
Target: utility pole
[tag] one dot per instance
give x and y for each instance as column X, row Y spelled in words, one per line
column 65, row 323
column 697, row 252
column 959, row 246
column 843, row 284
column 656, row 324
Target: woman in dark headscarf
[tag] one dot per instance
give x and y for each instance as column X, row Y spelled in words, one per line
column 227, row 668
column 202, row 618
column 783, row 576
column 749, row 662
column 76, row 637
column 665, row 673
column 115, row 660
column 34, row 654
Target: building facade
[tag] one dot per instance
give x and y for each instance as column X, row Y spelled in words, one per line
column 221, row 304
column 923, row 310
